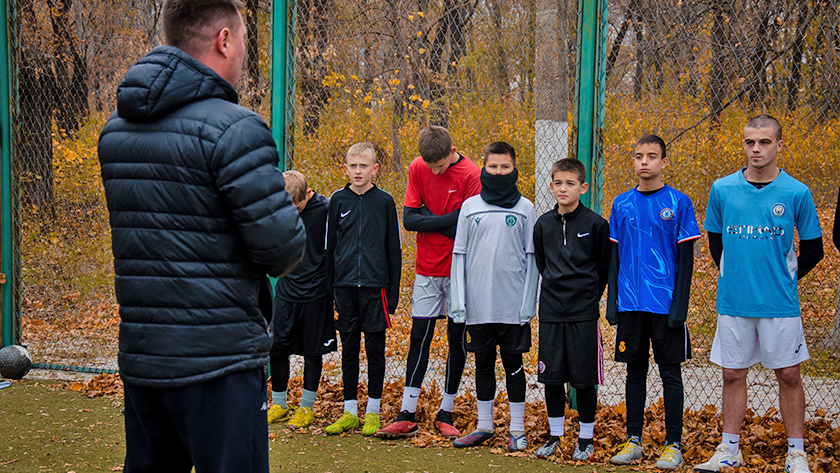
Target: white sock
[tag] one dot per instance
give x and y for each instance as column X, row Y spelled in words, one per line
column 372, row 406
column 352, row 406
column 796, row 443
column 279, row 398
column 557, row 426
column 485, row 416
column 732, row 442
column 586, row 430
column 448, row 402
column 410, row 398
column 517, row 416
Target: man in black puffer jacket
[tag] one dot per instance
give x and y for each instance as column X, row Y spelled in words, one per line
column 199, row 216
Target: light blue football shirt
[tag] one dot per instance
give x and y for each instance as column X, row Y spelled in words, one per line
column 648, row 230
column 757, row 275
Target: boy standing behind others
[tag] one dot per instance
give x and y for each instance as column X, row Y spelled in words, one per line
column 364, row 260
column 304, row 320
column 653, row 229
column 439, row 181
column 572, row 251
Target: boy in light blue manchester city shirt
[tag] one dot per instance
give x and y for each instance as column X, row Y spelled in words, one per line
column 751, row 218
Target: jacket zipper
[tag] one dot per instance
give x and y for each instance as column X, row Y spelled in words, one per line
column 359, row 259
column 564, row 230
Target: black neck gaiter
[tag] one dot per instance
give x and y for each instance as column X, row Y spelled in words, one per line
column 500, row 189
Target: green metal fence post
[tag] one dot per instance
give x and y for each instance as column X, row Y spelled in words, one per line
column 279, row 16
column 590, row 16
column 591, row 94
column 7, row 249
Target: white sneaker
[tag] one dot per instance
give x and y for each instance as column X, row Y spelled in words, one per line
column 720, row 459
column 797, row 462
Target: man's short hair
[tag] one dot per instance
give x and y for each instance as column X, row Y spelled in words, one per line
column 569, row 165
column 189, row 24
column 363, row 148
column 648, row 139
column 434, row 143
column 500, row 147
column 296, row 185
column 765, row 121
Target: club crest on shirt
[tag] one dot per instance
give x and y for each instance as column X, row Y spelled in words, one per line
column 541, row 367
column 666, row 214
column 622, row 347
column 510, row 220
column 778, row 210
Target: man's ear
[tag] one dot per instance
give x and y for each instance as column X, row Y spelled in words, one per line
column 222, row 42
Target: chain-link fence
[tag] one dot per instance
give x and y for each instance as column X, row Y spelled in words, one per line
column 489, row 70
column 694, row 72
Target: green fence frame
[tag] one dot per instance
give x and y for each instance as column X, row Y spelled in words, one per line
column 589, row 119
column 591, row 93
column 9, row 331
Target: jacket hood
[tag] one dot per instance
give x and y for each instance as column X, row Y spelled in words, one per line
column 165, row 80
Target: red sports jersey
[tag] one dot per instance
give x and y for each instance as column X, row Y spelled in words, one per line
column 440, row 193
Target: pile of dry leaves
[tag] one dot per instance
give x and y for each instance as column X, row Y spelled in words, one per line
column 763, row 439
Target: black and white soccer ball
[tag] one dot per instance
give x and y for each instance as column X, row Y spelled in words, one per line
column 15, row 362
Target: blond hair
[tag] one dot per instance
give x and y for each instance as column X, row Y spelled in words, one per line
column 296, row 185
column 362, row 148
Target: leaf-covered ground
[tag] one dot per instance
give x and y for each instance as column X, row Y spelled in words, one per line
column 763, row 439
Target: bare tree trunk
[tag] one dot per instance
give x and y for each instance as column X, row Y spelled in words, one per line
column 758, row 73
column 619, row 38
column 397, row 93
column 832, row 340
column 796, row 55
column 313, row 23
column 638, row 75
column 253, row 97
column 830, row 90
column 69, row 67
column 500, row 78
column 551, row 94
column 716, row 96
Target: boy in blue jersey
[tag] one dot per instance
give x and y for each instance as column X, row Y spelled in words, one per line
column 752, row 215
column 653, row 229
column 572, row 252
column 304, row 321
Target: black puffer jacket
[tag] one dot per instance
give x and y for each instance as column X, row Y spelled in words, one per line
column 199, row 215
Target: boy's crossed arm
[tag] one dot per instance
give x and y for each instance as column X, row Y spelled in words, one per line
column 421, row 219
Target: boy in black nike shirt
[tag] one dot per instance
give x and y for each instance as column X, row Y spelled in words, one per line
column 364, row 260
column 572, row 250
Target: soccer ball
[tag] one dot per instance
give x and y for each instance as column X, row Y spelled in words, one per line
column 15, row 362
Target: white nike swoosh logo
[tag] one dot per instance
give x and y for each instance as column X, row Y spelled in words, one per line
column 345, row 213
column 329, row 342
column 453, row 190
column 581, row 235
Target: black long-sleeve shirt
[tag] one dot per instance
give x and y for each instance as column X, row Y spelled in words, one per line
column 363, row 242
column 572, row 255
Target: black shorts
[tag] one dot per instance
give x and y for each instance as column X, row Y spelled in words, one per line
column 361, row 309
column 638, row 331
column 509, row 337
column 303, row 328
column 571, row 352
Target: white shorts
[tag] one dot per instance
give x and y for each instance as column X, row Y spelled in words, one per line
column 430, row 297
column 740, row 342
